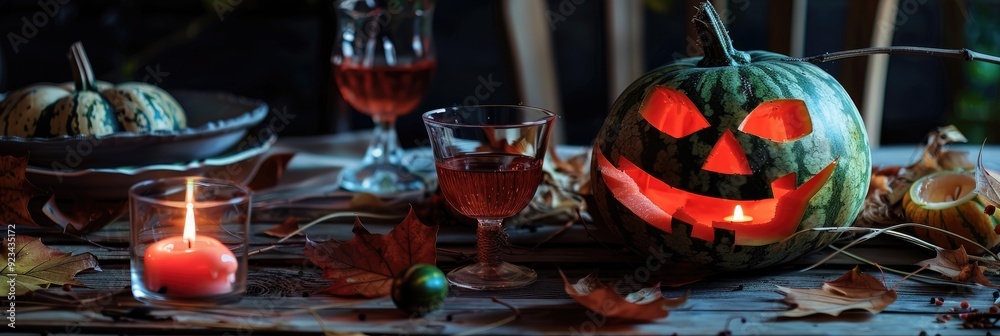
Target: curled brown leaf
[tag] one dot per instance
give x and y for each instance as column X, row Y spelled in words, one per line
column 854, row 290
column 955, row 265
column 647, row 304
column 286, row 228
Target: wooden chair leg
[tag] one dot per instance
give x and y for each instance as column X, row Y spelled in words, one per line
column 534, row 61
column 878, row 67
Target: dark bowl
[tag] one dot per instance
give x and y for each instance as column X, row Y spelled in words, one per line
column 238, row 163
column 216, row 121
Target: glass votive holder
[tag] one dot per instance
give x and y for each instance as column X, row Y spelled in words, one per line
column 189, row 240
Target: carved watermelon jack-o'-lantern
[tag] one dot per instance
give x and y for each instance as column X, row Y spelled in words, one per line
column 690, row 145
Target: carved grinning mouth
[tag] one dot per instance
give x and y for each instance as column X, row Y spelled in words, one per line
column 658, row 204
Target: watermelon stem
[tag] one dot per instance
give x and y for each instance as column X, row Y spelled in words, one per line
column 962, row 54
column 83, row 74
column 714, row 39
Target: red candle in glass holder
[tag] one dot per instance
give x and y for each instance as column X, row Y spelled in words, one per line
column 190, row 265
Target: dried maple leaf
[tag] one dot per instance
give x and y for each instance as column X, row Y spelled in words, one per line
column 36, row 266
column 366, row 264
column 15, row 192
column 854, row 290
column 284, row 229
column 647, row 304
column 954, row 264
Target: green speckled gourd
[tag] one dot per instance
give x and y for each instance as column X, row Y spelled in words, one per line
column 419, row 289
column 88, row 107
column 717, row 161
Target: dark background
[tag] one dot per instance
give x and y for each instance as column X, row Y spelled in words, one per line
column 279, row 51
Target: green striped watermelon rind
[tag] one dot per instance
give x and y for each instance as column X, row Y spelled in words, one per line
column 838, row 134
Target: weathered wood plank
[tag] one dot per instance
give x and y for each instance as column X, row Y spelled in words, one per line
column 754, row 291
column 534, row 320
column 281, row 285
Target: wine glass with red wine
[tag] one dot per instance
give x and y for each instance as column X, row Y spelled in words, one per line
column 489, row 164
column 383, row 58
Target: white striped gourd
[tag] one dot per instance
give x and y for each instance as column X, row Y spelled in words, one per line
column 88, row 107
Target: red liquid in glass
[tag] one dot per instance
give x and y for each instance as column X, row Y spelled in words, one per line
column 384, row 91
column 489, row 185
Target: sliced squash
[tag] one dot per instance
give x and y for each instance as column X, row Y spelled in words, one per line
column 947, row 200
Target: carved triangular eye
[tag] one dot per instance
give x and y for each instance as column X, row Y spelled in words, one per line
column 779, row 120
column 671, row 112
column 727, row 157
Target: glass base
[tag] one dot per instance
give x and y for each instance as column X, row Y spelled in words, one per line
column 486, row 277
column 380, row 179
column 142, row 295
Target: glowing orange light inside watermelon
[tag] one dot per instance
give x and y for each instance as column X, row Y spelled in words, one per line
column 738, row 215
column 754, row 221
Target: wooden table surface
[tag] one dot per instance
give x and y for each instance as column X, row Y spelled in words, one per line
column 283, row 299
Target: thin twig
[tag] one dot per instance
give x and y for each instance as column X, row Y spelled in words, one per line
column 320, row 220
column 322, row 325
column 589, row 233
column 923, row 278
column 508, row 319
column 460, row 256
column 875, row 232
column 914, row 273
column 517, row 312
column 106, row 248
column 315, row 308
column 962, row 54
column 550, row 237
column 336, row 215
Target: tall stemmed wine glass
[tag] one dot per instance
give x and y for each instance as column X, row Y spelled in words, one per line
column 383, row 58
column 489, row 164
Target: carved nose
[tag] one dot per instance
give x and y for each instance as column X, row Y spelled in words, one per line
column 727, row 157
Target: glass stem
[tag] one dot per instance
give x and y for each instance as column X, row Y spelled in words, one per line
column 491, row 242
column 384, row 148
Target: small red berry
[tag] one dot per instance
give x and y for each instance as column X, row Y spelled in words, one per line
column 938, row 302
column 964, row 304
column 994, row 309
column 963, row 315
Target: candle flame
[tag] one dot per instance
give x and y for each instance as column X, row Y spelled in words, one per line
column 189, row 235
column 738, row 214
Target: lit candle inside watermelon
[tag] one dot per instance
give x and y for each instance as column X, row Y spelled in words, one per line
column 738, row 216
